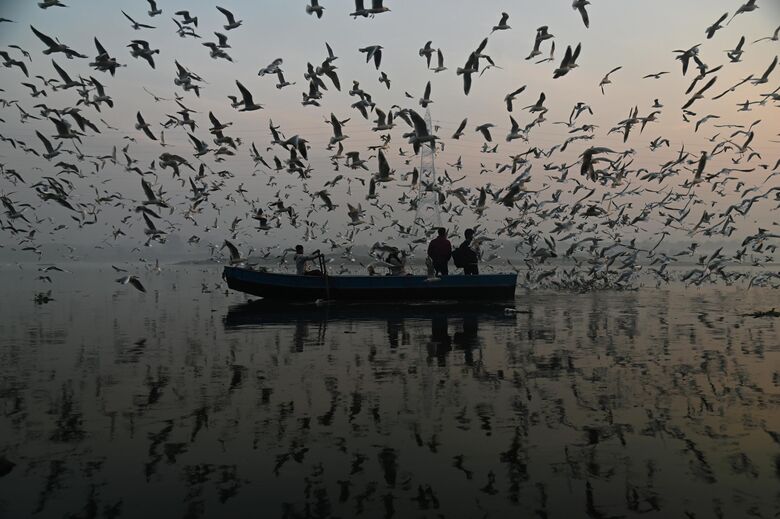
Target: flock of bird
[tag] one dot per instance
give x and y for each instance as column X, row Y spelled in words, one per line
column 603, row 213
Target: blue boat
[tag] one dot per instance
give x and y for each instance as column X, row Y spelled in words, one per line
column 293, row 287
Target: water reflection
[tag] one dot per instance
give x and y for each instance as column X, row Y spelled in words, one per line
column 180, row 403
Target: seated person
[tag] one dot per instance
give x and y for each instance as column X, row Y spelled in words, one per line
column 302, row 267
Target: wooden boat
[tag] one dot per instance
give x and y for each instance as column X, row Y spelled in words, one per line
column 378, row 288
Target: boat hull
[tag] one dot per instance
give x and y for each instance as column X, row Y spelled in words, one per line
column 371, row 288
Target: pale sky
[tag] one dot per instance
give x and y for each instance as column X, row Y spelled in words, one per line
column 640, row 36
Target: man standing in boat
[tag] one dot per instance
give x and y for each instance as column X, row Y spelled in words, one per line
column 440, row 250
column 302, row 267
column 465, row 256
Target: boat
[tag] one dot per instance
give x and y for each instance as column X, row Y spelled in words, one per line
column 293, row 287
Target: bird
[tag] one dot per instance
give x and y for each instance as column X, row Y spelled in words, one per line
column 272, row 68
column 511, row 97
column 747, row 7
column 248, row 103
column 187, row 19
column 712, row 29
column 470, row 68
column 700, row 94
column 484, row 129
column 133, row 280
column 765, row 77
column 232, row 23
column 426, row 98
column 8, row 63
column 143, row 126
column 502, row 25
column 45, row 4
column 774, row 37
column 459, row 132
column 373, row 52
column 427, row 52
column 606, row 80
column 656, row 75
column 314, row 7
column 568, row 63
column 153, row 10
column 137, row 26
column 141, row 49
column 439, row 62
column 735, row 55
column 579, row 5
column 55, row 46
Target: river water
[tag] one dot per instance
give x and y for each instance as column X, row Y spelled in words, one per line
column 188, row 401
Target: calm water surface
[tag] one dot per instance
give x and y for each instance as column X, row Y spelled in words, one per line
column 188, row 402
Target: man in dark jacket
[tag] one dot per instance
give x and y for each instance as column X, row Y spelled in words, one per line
column 440, row 250
column 468, row 256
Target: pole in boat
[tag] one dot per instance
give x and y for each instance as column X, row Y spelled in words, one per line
column 427, row 203
column 324, row 271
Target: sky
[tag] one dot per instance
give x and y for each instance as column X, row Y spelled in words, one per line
column 638, row 36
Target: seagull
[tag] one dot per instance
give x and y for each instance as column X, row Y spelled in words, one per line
column 187, row 18
column 273, row 68
column 484, row 129
column 314, row 7
column 686, row 55
column 765, row 78
column 426, row 99
column 143, row 126
column 338, row 135
column 470, row 68
column 502, row 25
column 45, row 4
column 232, row 23
column 511, row 97
column 774, row 37
column 459, row 132
column 375, row 52
column 712, row 29
column 51, row 152
column 137, row 26
column 384, row 79
column 657, row 75
column 735, row 55
column 427, row 52
column 747, row 7
column 440, row 62
column 580, row 5
column 539, row 106
column 8, row 63
column 153, row 10
column 568, row 63
column 377, row 8
column 55, row 46
column 249, row 104
column 700, row 93
column 141, row 49
column 606, row 80
column 133, row 280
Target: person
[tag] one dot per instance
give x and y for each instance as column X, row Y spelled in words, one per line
column 468, row 256
column 440, row 250
column 302, row 267
column 396, row 263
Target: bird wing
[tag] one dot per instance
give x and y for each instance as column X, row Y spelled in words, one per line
column 49, row 42
column 100, row 49
column 45, row 141
column 230, row 18
column 64, row 75
column 770, row 69
column 245, row 94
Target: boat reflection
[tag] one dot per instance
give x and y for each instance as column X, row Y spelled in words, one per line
column 447, row 326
